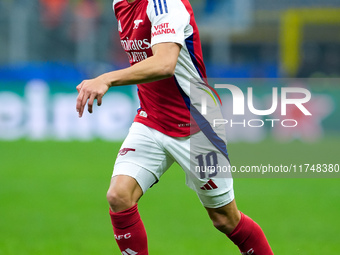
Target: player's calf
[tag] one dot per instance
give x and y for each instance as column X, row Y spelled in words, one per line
column 240, row 229
column 249, row 238
column 129, row 231
column 128, row 228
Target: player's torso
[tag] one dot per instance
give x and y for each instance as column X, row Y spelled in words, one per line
column 134, row 29
column 162, row 104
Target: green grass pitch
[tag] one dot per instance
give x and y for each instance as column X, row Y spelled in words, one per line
column 53, row 201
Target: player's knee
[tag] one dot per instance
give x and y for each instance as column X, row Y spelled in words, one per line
column 225, row 218
column 119, row 200
column 222, row 225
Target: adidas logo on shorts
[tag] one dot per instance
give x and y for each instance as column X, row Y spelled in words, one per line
column 210, row 185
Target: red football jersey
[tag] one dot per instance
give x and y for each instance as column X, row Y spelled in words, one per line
column 165, row 104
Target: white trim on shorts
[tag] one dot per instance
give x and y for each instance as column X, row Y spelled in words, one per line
column 144, row 178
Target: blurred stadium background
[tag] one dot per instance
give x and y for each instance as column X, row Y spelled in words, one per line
column 55, row 168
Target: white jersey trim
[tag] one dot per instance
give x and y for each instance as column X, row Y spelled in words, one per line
column 169, row 21
column 114, row 3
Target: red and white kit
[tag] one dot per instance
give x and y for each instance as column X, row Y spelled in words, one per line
column 141, row 25
column 169, row 126
column 169, row 108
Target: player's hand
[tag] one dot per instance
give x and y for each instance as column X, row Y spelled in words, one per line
column 90, row 90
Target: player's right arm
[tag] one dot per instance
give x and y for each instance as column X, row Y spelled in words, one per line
column 157, row 67
column 165, row 47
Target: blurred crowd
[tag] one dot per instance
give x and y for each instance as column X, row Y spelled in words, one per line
column 83, row 31
column 54, row 30
column 68, row 30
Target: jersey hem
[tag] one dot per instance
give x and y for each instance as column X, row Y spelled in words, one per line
column 168, row 133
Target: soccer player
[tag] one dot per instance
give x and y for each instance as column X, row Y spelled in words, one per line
column 162, row 42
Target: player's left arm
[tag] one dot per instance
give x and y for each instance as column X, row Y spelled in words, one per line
column 157, row 67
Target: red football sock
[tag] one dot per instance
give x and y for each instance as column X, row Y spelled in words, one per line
column 129, row 232
column 249, row 238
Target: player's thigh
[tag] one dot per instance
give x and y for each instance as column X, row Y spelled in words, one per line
column 141, row 157
column 207, row 169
